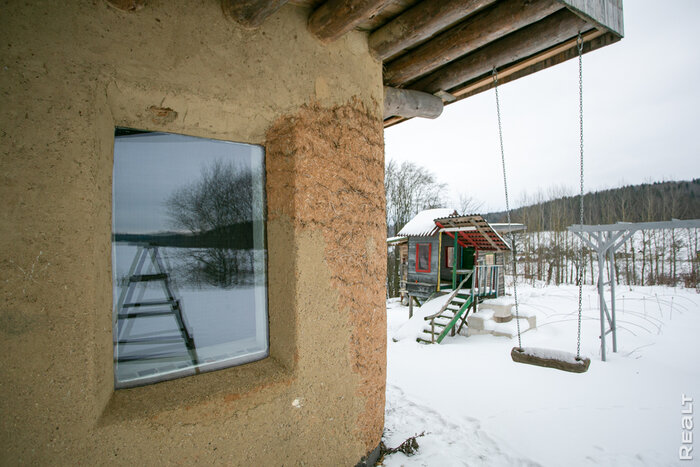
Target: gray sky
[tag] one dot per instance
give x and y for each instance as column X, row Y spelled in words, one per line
column 148, row 168
column 641, row 116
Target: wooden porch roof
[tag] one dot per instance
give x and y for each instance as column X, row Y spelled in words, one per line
column 474, row 231
column 436, row 52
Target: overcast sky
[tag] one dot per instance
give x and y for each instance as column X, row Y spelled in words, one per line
column 641, row 118
column 150, row 167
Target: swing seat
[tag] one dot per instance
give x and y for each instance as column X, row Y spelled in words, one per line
column 550, row 358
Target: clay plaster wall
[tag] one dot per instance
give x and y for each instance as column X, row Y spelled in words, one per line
column 70, row 72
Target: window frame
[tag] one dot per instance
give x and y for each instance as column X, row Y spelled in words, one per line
column 261, row 316
column 430, row 251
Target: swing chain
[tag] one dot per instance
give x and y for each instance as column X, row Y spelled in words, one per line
column 505, row 186
column 579, row 43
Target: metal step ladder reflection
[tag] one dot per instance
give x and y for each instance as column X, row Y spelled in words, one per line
column 131, row 307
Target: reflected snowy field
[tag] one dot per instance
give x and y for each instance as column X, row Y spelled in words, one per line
column 227, row 324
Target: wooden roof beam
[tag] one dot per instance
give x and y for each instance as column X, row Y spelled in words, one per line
column 419, row 23
column 592, row 39
column 408, row 103
column 481, row 29
column 334, row 18
column 250, row 13
column 605, row 14
column 542, row 35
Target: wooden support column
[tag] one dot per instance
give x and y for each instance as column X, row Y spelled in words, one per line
column 484, row 27
column 454, row 261
column 250, row 13
column 409, row 103
column 419, row 23
column 439, row 260
column 547, row 33
column 334, row 18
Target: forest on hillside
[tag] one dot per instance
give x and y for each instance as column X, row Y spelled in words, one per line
column 647, row 202
column 546, row 251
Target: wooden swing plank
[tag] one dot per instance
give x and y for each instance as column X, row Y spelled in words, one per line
column 550, row 358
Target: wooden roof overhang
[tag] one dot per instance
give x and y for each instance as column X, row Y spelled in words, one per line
column 473, row 231
column 392, row 241
column 436, row 52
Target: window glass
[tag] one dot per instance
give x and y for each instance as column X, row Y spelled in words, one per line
column 449, row 256
column 423, row 257
column 188, row 256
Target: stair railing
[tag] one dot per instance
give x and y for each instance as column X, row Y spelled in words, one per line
column 447, row 303
column 487, row 278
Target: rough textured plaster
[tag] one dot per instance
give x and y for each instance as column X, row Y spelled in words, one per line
column 69, row 72
column 338, row 191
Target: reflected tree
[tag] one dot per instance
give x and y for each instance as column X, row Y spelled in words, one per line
column 217, row 210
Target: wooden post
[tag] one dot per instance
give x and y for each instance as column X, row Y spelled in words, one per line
column 454, row 261
column 410, row 306
column 250, row 13
column 439, row 259
column 409, row 103
column 481, row 29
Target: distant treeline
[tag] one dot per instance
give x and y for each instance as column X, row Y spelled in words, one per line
column 633, row 203
column 548, row 252
column 236, row 236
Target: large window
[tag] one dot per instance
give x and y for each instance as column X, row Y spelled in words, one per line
column 423, row 251
column 188, row 256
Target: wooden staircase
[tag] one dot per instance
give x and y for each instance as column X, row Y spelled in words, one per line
column 455, row 311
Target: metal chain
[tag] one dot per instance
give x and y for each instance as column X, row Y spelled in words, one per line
column 579, row 44
column 505, row 186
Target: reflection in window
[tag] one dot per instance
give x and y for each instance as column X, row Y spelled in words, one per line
column 188, row 256
column 423, row 257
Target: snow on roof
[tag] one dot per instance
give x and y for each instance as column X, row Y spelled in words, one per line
column 424, row 223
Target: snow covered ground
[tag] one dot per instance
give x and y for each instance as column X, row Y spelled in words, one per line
column 477, row 407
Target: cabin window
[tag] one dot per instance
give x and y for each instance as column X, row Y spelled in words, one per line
column 188, row 256
column 449, row 256
column 423, row 251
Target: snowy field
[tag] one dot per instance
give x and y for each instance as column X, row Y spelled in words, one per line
column 228, row 324
column 477, row 407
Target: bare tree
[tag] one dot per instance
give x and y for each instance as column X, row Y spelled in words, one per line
column 217, row 210
column 409, row 189
column 467, row 204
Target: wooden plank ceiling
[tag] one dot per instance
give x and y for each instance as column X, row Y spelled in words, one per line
column 449, row 48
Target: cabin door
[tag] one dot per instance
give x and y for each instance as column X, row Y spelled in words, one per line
column 467, row 262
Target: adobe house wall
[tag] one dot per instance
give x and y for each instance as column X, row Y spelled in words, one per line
column 69, row 73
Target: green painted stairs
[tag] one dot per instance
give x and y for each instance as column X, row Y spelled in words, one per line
column 439, row 325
